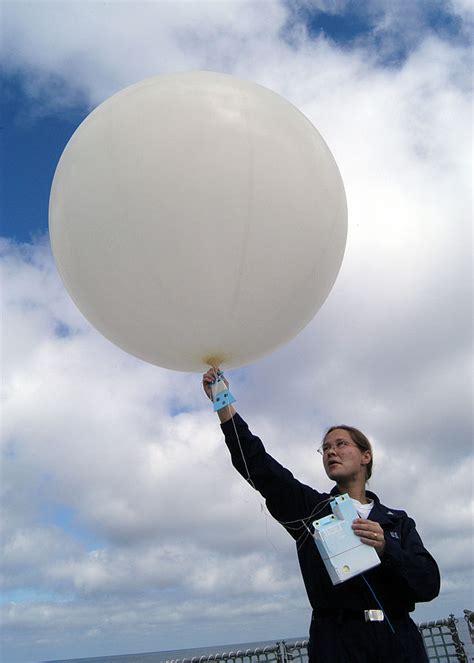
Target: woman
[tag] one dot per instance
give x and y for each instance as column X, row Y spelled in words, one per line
column 342, row 628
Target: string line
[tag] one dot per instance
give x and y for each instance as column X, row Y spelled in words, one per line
column 286, row 523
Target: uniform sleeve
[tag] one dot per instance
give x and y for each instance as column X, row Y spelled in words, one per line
column 287, row 499
column 410, row 560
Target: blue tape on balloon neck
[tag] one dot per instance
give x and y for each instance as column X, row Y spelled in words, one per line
column 223, row 399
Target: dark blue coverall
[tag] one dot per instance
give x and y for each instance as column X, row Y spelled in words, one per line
column 407, row 573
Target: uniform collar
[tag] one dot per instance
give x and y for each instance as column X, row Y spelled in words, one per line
column 379, row 513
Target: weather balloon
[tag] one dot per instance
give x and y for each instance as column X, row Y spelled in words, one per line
column 197, row 218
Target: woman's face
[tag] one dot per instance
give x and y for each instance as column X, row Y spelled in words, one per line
column 344, row 462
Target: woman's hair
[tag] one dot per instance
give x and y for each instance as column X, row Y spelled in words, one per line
column 362, row 442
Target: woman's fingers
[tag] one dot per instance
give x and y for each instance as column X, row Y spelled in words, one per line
column 370, row 533
column 209, row 377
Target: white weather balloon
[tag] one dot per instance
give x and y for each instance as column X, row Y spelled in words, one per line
column 197, row 218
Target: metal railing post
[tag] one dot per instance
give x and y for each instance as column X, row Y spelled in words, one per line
column 469, row 618
column 458, row 645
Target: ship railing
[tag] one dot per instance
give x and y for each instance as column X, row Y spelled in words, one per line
column 441, row 637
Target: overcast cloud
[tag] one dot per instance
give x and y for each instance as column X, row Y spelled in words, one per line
column 125, row 528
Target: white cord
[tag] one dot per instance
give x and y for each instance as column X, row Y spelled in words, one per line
column 287, row 524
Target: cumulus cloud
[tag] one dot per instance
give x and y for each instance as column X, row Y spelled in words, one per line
column 160, row 537
column 80, row 49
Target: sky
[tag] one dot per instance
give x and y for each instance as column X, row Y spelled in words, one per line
column 124, row 526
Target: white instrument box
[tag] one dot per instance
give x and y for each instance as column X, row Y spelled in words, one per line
column 343, row 553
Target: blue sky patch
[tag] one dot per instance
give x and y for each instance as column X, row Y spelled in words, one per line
column 65, row 518
column 377, row 26
column 32, row 140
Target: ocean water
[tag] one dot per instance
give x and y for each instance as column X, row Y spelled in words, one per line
column 171, row 655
